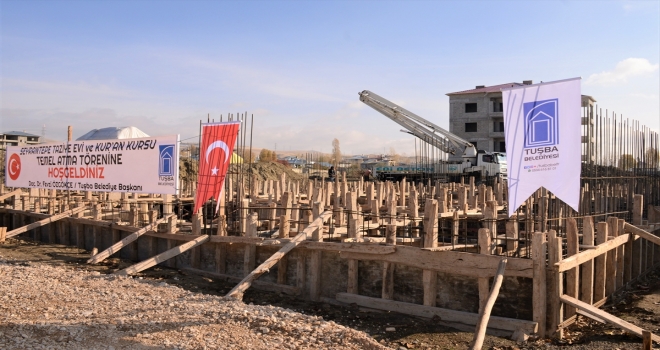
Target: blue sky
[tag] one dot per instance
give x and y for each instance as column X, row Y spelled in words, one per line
column 298, row 65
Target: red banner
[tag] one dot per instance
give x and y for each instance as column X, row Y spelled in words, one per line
column 214, row 158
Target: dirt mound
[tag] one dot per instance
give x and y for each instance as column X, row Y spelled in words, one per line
column 266, row 171
column 188, row 169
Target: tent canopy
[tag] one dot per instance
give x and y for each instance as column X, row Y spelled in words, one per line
column 113, row 133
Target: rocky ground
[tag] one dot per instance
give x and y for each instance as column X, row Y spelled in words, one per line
column 49, row 298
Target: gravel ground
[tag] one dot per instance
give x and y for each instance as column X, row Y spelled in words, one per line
column 50, row 307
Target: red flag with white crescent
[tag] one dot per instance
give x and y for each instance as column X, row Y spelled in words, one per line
column 215, row 153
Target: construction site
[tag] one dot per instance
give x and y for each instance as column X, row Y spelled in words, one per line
column 425, row 253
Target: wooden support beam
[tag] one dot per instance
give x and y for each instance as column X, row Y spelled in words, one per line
column 647, row 340
column 124, row 242
column 484, row 313
column 467, row 264
column 587, row 284
column 572, row 277
column 143, row 265
column 10, row 194
column 642, row 233
column 237, row 292
column 620, row 262
column 556, row 311
column 610, row 282
column 44, row 222
column 3, row 234
column 600, row 262
column 448, row 315
column 539, row 301
column 609, row 318
column 588, row 255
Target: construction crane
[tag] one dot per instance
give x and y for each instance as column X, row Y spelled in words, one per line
column 463, row 156
column 420, row 127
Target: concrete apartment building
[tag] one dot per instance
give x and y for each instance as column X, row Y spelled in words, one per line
column 476, row 115
column 18, row 138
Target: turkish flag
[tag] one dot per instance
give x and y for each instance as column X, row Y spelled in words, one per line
column 214, row 157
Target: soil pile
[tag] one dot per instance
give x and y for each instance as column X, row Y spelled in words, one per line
column 266, row 171
column 188, row 169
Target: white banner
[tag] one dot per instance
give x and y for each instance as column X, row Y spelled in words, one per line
column 543, row 141
column 144, row 165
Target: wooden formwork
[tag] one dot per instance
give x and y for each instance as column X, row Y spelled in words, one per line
column 363, row 226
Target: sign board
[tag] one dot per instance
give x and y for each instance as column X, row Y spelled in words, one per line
column 543, row 141
column 143, row 165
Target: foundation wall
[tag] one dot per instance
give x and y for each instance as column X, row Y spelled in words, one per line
column 454, row 292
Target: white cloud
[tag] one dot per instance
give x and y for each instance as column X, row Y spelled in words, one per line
column 624, row 70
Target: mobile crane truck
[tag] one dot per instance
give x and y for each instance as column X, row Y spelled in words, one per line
column 463, row 158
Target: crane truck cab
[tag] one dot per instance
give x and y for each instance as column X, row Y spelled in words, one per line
column 489, row 164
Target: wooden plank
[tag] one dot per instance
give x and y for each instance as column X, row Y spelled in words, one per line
column 620, row 266
column 484, row 314
column 381, row 239
column 647, row 340
column 590, row 254
column 628, row 260
column 171, row 236
column 587, row 280
column 572, row 274
column 556, row 311
column 609, row 318
column 447, row 315
column 124, row 242
column 236, row 239
column 143, row 265
column 610, row 282
column 642, row 233
column 450, row 247
column 539, row 300
column 349, row 247
column 237, row 292
column 459, row 263
column 10, row 194
column 44, row 222
column 636, row 257
column 600, row 263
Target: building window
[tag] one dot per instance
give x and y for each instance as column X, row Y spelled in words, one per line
column 470, row 108
column 498, row 127
column 502, row 146
column 470, row 127
column 497, row 105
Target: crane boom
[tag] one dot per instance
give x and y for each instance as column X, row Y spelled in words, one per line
column 419, row 127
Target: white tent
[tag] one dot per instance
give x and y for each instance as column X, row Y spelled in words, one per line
column 111, row 133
